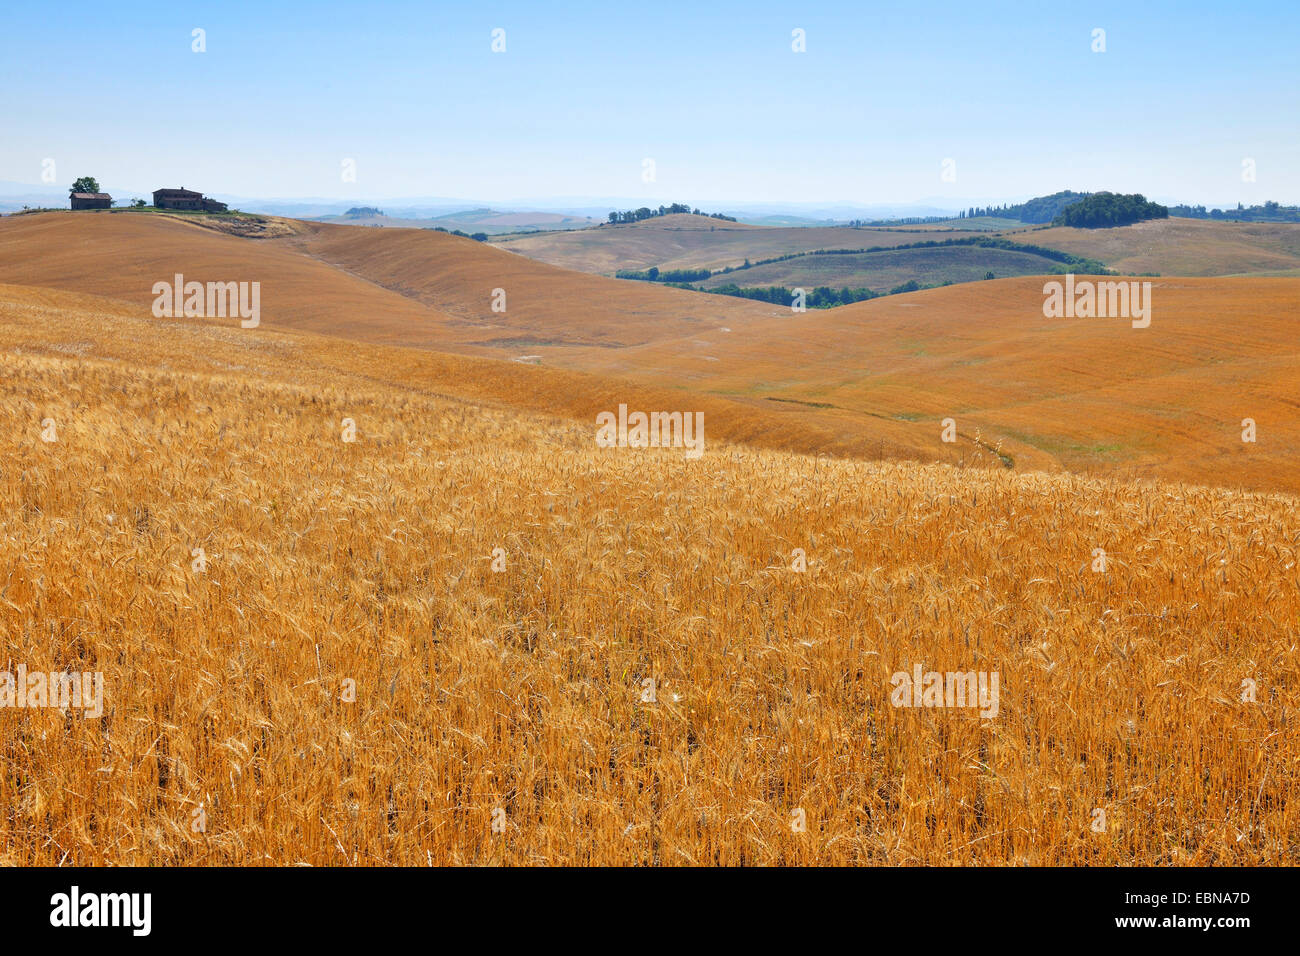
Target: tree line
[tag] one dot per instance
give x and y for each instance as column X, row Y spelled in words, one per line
column 645, row 212
column 655, row 274
column 1037, row 211
column 1269, row 212
column 822, row 297
column 476, row 236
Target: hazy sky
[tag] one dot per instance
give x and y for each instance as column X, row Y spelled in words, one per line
column 712, row 92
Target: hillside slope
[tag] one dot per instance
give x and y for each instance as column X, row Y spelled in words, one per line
column 544, row 305
column 53, row 323
column 400, row 286
column 871, row 380
column 122, row 255
column 1183, row 247
column 693, row 242
column 1086, row 394
column 372, row 652
column 1187, row 247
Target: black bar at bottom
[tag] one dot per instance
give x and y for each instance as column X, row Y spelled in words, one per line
column 331, row 906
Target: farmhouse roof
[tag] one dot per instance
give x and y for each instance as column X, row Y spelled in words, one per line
column 91, row 196
column 181, row 193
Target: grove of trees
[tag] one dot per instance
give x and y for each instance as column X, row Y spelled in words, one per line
column 1269, row 212
column 1104, row 210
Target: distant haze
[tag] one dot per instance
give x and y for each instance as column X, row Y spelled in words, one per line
column 15, row 195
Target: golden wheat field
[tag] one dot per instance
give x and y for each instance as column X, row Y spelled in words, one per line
column 313, row 647
column 867, row 380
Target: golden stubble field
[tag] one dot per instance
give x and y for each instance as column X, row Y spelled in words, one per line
column 411, row 287
column 870, row 380
column 517, row 696
column 1095, row 395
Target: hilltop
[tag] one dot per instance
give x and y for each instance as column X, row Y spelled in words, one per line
column 401, row 286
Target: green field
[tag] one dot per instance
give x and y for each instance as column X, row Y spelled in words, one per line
column 883, row 270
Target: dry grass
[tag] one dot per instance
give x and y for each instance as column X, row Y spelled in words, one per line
column 1183, row 247
column 693, row 242
column 1092, row 395
column 521, row 690
column 413, row 287
column 870, row 380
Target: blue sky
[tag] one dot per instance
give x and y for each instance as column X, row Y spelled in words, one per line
column 712, row 92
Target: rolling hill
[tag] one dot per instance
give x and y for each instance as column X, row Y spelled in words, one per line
column 683, row 241
column 1084, row 394
column 401, row 286
column 886, row 269
column 1189, row 247
column 872, row 380
column 465, row 634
